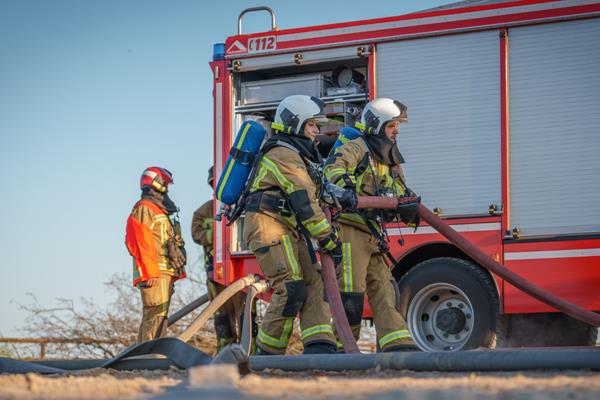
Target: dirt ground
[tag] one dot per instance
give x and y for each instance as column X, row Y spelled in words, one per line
column 175, row 384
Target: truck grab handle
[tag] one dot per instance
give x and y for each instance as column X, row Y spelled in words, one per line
column 253, row 9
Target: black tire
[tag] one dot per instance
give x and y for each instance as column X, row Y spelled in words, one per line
column 450, row 304
column 546, row 330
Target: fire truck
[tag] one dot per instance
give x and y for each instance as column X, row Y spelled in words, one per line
column 503, row 142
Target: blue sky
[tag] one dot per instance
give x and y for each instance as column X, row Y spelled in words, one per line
column 91, row 93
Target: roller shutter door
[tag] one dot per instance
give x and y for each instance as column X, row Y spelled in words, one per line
column 451, row 85
column 554, row 73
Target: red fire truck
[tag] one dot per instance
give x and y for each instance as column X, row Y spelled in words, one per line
column 503, row 142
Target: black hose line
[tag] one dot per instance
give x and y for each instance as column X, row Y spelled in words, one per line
column 185, row 310
column 440, row 361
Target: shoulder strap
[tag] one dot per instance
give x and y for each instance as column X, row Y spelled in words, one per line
column 364, row 163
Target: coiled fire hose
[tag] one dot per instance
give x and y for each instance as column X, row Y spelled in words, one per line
column 573, row 310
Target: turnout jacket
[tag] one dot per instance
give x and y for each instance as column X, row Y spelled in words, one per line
column 283, row 171
column 351, row 165
column 202, row 229
column 148, row 231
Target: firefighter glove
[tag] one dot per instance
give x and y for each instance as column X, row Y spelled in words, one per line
column 348, row 200
column 331, row 245
column 408, row 210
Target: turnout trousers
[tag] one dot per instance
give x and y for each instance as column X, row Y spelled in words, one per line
column 297, row 287
column 155, row 302
column 364, row 270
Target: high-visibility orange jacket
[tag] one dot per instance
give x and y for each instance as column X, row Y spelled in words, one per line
column 148, row 231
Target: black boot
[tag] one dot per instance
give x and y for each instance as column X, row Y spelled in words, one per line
column 320, row 348
column 400, row 347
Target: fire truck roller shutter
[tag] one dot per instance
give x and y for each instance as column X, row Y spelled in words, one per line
column 452, row 142
column 554, row 73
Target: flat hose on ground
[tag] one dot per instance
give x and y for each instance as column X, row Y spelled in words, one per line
column 514, row 360
column 332, row 290
column 188, row 308
column 573, row 310
column 215, row 304
column 255, row 289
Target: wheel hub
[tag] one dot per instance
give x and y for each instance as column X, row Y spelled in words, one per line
column 450, row 320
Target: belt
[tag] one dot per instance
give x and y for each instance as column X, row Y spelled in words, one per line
column 261, row 201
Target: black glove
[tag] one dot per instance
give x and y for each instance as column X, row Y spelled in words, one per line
column 408, row 210
column 331, row 245
column 348, row 200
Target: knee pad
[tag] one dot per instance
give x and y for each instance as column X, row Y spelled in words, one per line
column 397, row 294
column 296, row 296
column 223, row 326
column 354, row 303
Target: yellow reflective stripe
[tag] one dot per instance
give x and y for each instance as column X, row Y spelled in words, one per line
column 164, row 296
column 330, row 245
column 353, row 217
column 343, row 139
column 360, row 126
column 347, row 266
column 289, row 252
column 287, row 185
column 283, row 340
column 262, row 172
column 395, row 335
column 315, row 228
column 331, row 172
column 322, row 328
column 230, row 166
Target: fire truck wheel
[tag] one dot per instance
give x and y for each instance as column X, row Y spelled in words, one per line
column 546, row 330
column 450, row 304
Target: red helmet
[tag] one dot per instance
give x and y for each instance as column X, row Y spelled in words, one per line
column 157, row 178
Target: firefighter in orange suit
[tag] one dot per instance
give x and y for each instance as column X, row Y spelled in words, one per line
column 283, row 215
column 371, row 165
column 227, row 317
column 155, row 243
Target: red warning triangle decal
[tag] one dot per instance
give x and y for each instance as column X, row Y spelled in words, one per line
column 237, row 47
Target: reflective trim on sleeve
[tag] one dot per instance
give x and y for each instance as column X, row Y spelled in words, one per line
column 315, row 229
column 332, row 172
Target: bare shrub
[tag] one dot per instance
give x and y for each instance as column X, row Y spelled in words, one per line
column 108, row 329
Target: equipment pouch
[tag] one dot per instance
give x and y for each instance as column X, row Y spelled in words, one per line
column 176, row 247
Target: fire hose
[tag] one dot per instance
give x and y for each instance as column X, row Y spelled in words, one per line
column 487, row 262
column 185, row 310
column 246, row 329
column 215, row 304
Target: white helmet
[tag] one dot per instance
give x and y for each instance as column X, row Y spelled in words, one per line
column 379, row 112
column 294, row 111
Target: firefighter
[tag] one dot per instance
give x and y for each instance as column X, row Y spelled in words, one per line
column 226, row 318
column 154, row 241
column 371, row 165
column 283, row 215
